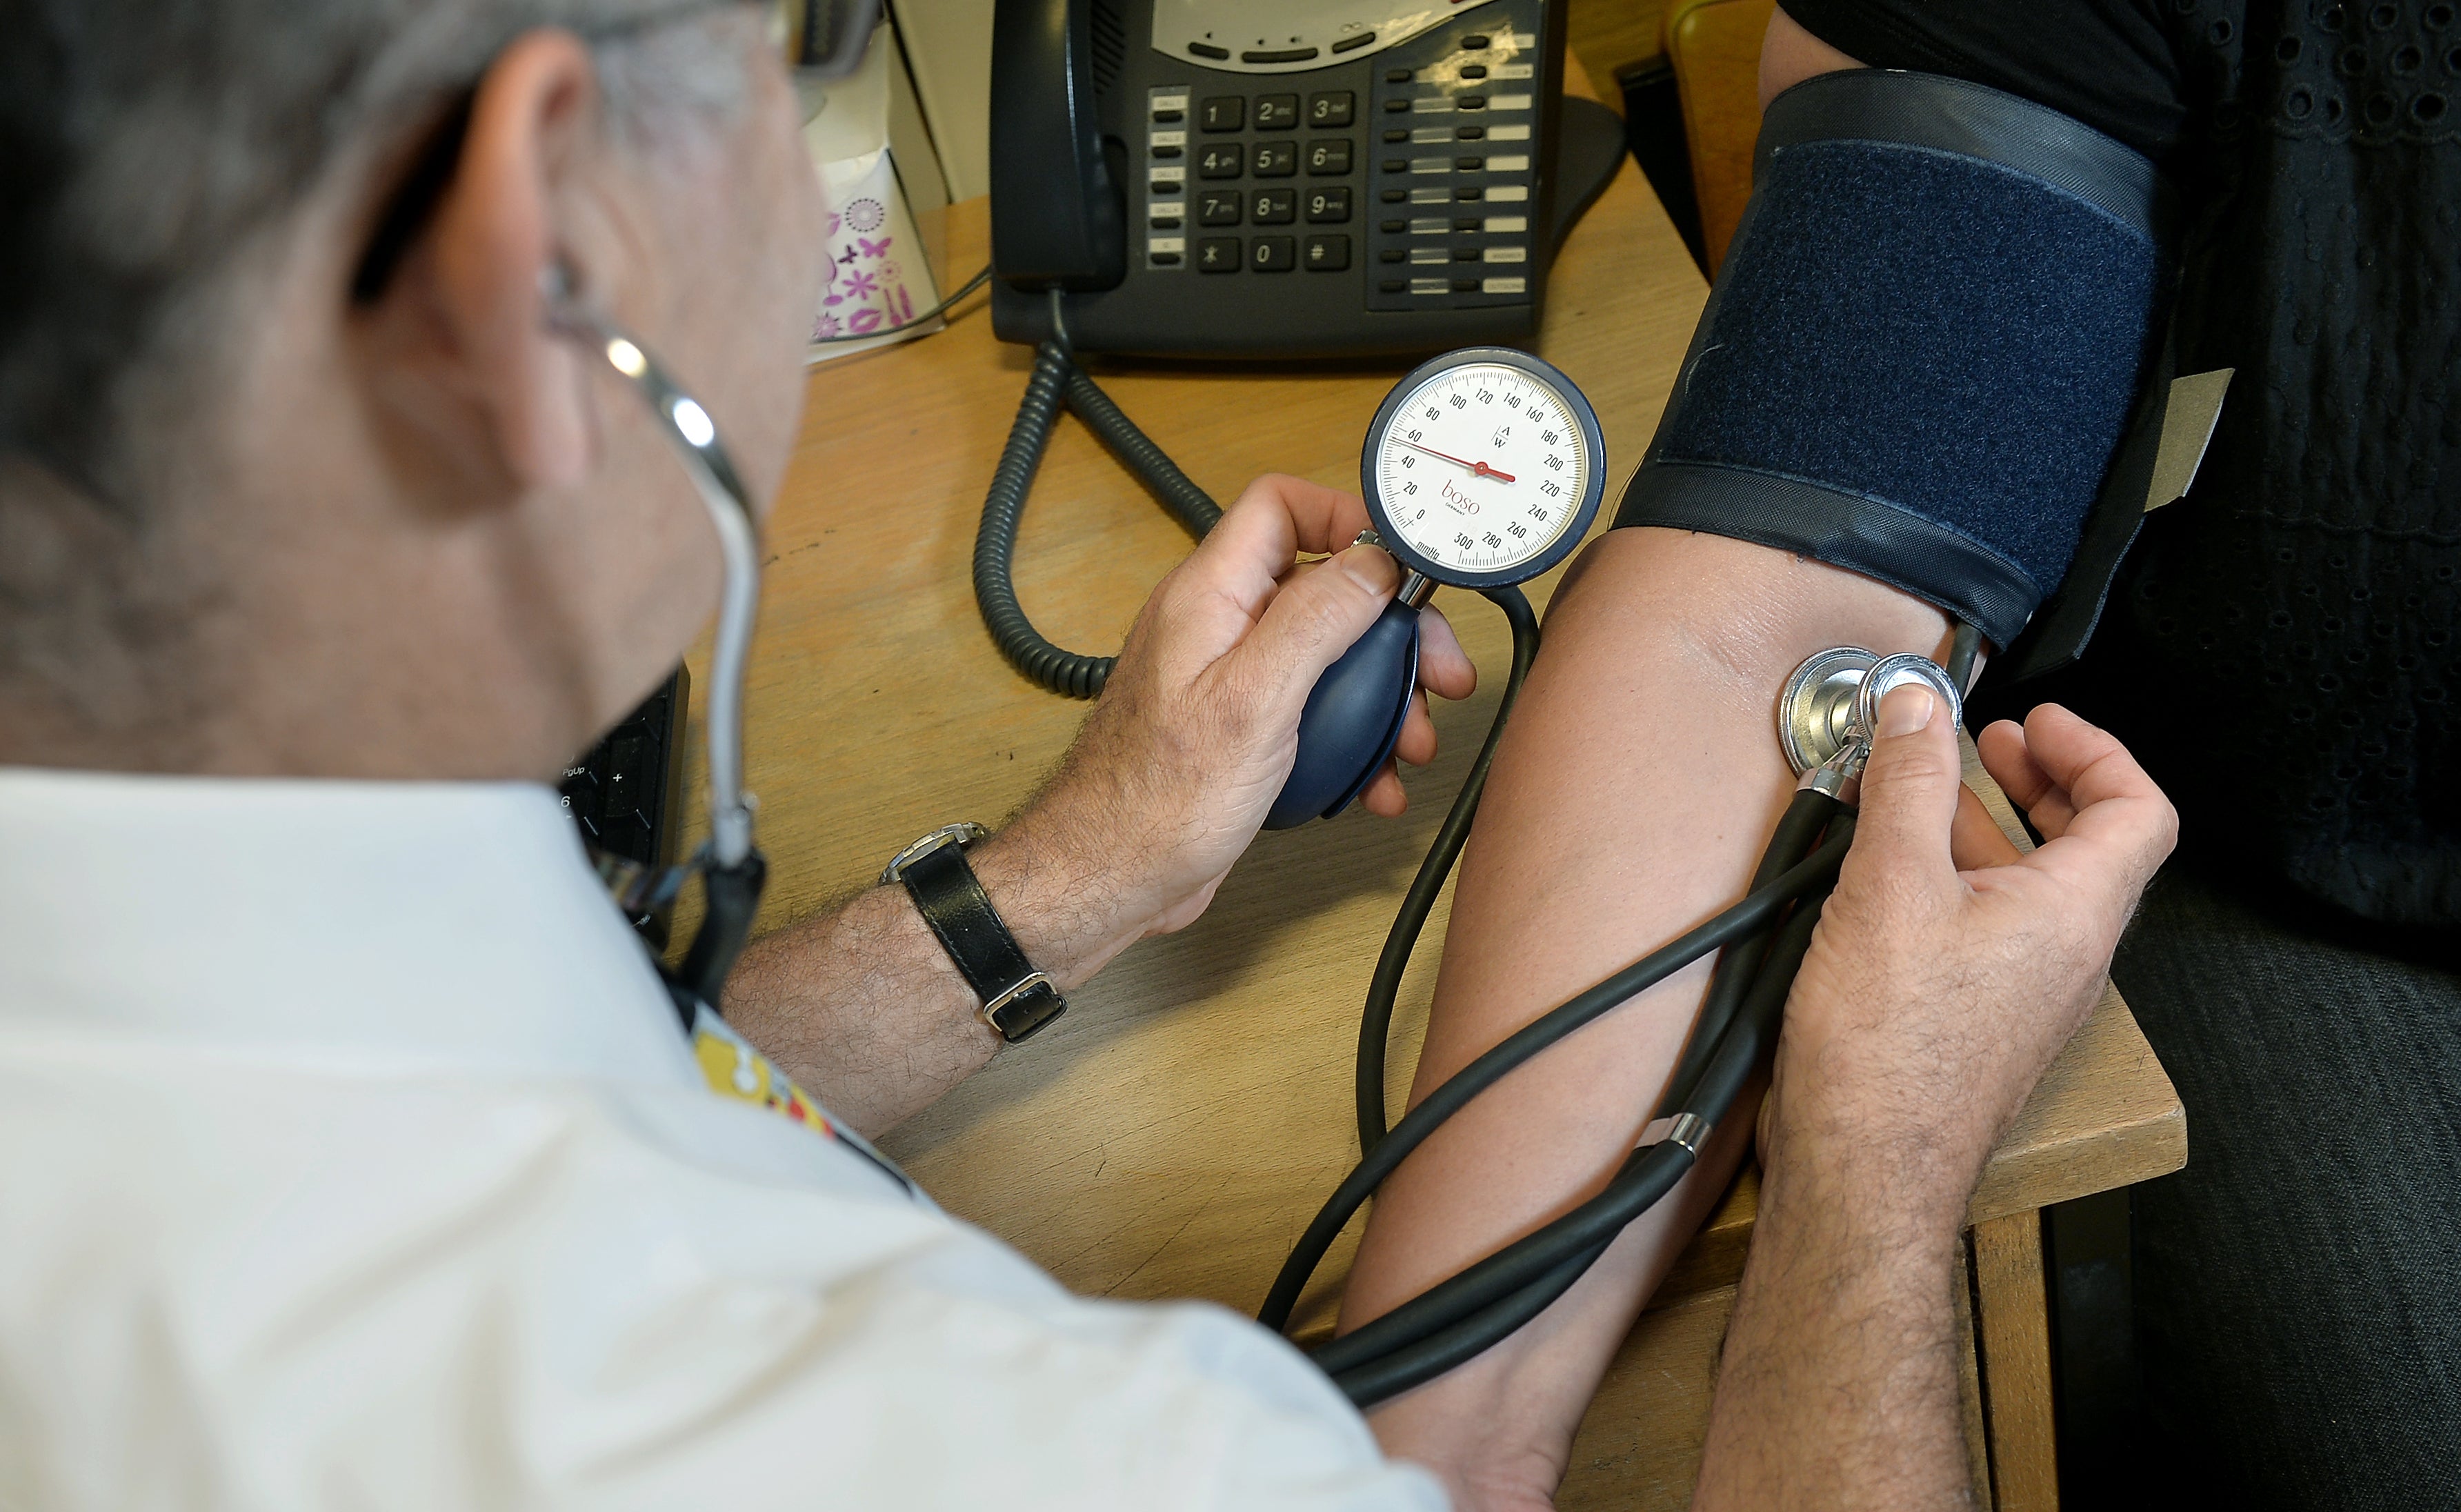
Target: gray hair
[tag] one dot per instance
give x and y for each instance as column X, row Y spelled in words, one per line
column 145, row 143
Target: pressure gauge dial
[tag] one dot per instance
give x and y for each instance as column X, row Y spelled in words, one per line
column 1484, row 467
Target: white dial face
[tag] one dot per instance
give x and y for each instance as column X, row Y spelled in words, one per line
column 1481, row 468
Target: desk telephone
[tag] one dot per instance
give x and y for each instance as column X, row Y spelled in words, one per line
column 1283, row 178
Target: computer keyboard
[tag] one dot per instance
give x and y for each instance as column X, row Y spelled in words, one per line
column 625, row 794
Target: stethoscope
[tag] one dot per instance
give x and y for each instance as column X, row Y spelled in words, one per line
column 1482, row 469
column 1444, row 470
column 729, row 863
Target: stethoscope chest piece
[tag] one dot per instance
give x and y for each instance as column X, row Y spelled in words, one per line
column 1834, row 699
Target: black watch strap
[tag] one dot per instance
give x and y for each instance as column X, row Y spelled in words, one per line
column 1017, row 1000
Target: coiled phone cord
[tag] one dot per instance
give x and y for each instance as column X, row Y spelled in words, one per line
column 1056, row 379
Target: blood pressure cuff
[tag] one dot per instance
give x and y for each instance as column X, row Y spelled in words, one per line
column 1923, row 346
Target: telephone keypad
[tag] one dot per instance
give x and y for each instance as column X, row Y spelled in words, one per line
column 1277, row 111
column 1441, row 167
column 1327, row 205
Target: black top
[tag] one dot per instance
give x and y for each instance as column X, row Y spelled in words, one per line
column 2280, row 649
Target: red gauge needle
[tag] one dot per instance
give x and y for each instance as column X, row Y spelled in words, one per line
column 1477, row 469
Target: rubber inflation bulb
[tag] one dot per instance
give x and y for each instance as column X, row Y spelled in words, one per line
column 1352, row 719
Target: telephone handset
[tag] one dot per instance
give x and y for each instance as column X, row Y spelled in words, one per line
column 1283, row 178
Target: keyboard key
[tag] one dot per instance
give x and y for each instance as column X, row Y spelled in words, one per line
column 1277, row 111
column 1275, row 160
column 1329, row 154
column 1223, row 112
column 1217, row 254
column 1327, row 254
column 1220, row 159
column 1330, row 108
column 1277, row 206
column 1273, row 254
column 1219, row 207
column 1329, row 205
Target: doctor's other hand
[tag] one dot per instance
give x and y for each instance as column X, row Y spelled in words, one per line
column 1949, row 969
column 1197, row 727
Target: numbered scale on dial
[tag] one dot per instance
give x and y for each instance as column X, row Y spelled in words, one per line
column 1482, row 468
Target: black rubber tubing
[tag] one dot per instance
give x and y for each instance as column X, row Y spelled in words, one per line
column 1376, row 1019
column 1057, row 379
column 1448, row 1327
column 1747, row 917
column 1722, row 1075
column 1796, row 829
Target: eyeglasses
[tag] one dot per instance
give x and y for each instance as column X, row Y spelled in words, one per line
column 825, row 38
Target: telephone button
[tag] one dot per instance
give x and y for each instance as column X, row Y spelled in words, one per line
column 1327, row 254
column 1328, row 206
column 1352, row 44
column 1275, row 160
column 1273, row 254
column 1330, row 108
column 1217, row 254
column 1223, row 112
column 1277, row 111
column 1289, row 55
column 1208, row 50
column 1220, row 159
column 1473, row 42
column 1218, row 207
column 1328, row 155
column 1277, row 206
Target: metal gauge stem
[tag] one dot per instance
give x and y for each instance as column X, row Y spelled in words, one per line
column 1483, row 467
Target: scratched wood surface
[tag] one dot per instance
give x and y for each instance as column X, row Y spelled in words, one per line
column 1171, row 1136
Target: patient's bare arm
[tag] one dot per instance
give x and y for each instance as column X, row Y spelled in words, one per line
column 1634, row 791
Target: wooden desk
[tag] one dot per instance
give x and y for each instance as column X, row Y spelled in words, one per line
column 1173, row 1134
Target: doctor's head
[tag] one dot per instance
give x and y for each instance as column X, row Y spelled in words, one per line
column 294, row 476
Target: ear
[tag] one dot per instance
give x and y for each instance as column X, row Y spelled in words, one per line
column 496, row 235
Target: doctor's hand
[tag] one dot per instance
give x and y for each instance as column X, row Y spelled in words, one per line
column 1197, row 728
column 1949, row 969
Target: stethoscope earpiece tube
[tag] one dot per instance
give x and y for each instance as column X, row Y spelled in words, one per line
column 731, row 868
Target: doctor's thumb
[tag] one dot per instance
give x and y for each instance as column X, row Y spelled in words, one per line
column 1909, row 798
column 1316, row 615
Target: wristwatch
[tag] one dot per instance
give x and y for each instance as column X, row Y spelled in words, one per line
column 1017, row 1000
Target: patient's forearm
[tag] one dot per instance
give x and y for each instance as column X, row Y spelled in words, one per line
column 1633, row 795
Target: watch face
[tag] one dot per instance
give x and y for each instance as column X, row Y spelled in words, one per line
column 1484, row 468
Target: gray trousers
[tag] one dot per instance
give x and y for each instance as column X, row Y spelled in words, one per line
column 2297, row 1287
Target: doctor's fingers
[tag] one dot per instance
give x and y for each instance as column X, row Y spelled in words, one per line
column 1910, row 796
column 2122, row 825
column 1445, row 669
